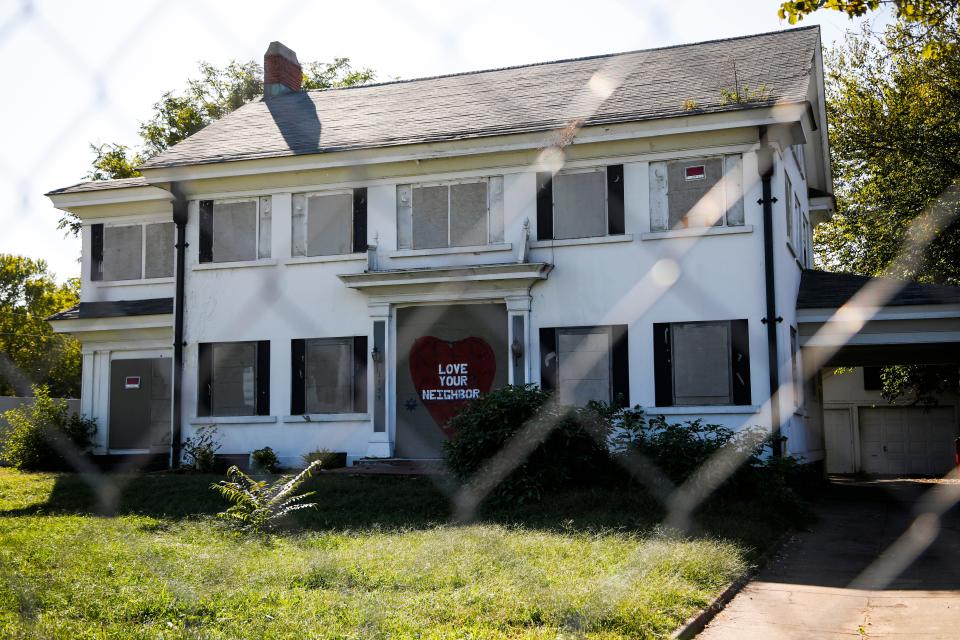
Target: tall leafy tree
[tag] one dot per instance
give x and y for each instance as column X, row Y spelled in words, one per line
column 894, row 115
column 30, row 352
column 215, row 92
column 926, row 19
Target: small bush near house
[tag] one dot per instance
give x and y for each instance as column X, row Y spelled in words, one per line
column 44, row 436
column 572, row 451
column 199, row 451
column 679, row 450
column 259, row 505
column 584, row 447
column 265, row 460
column 327, row 459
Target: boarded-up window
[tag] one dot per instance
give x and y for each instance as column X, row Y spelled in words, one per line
column 580, row 204
column 322, row 224
column 461, row 214
column 241, row 229
column 329, row 375
column 696, row 192
column 158, row 250
column 701, row 363
column 583, row 365
column 123, row 252
column 468, row 214
column 233, row 382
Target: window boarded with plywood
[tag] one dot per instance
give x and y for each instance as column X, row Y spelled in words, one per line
column 122, row 252
column 696, row 192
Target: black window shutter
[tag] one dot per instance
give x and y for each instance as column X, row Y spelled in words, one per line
column 544, row 205
column 620, row 365
column 740, row 361
column 615, row 224
column 662, row 365
column 360, row 220
column 298, row 379
column 360, row 374
column 206, row 231
column 263, row 377
column 548, row 359
column 204, row 378
column 96, row 252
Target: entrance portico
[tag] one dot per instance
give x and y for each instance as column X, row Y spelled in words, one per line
column 397, row 303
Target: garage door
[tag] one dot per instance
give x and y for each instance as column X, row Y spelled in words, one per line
column 907, row 440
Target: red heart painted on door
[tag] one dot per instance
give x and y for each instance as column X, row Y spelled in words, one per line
column 447, row 375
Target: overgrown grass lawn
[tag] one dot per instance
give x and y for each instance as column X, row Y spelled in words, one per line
column 377, row 560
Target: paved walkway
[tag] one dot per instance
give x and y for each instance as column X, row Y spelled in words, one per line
column 807, row 592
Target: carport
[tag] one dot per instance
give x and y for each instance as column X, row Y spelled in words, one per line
column 846, row 320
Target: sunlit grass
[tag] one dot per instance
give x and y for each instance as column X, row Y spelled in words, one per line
column 75, row 575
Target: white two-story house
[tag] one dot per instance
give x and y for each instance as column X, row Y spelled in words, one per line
column 344, row 269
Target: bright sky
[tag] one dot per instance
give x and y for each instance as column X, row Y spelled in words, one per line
column 79, row 72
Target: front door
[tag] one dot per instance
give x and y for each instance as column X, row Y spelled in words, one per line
column 446, row 356
column 139, row 404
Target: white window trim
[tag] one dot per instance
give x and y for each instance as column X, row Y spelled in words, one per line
column 442, row 251
column 339, row 257
column 327, row 417
column 723, row 156
column 487, row 180
column 307, row 195
column 131, row 283
column 256, row 236
column 209, row 266
column 606, row 204
column 143, row 255
column 573, row 242
column 218, row 420
column 695, row 410
column 694, row 232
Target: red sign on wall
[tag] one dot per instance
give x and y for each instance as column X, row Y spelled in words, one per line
column 447, row 375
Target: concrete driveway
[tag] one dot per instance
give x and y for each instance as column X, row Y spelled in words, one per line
column 843, row 580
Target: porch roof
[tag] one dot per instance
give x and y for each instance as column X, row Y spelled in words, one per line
column 824, row 289
column 115, row 309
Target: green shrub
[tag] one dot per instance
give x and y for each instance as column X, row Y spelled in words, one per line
column 43, row 434
column 680, row 449
column 568, row 444
column 265, row 460
column 327, row 459
column 200, row 451
column 259, row 505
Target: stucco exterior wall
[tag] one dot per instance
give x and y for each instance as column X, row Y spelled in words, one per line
column 635, row 279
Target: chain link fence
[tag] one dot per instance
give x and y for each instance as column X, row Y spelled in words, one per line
column 680, row 503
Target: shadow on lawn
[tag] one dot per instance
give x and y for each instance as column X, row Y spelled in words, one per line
column 397, row 502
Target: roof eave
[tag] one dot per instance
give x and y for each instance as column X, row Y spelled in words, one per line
column 145, row 193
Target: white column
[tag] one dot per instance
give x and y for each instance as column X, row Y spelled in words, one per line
column 381, row 393
column 518, row 329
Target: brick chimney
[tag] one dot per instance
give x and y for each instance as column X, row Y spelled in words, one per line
column 281, row 71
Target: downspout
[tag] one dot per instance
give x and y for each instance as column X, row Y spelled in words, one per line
column 180, row 220
column 765, row 166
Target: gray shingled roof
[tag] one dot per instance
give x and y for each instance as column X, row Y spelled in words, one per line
column 116, row 309
column 656, row 83
column 100, row 185
column 824, row 289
